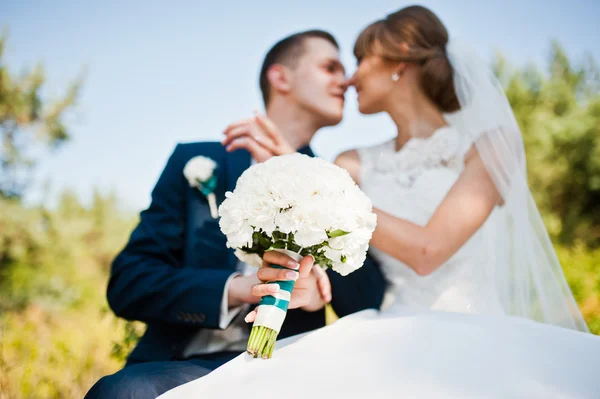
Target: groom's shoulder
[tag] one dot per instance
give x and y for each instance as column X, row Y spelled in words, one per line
column 184, row 151
column 205, row 148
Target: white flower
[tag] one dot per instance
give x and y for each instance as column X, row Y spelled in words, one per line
column 310, row 235
column 304, row 196
column 199, row 169
column 235, row 226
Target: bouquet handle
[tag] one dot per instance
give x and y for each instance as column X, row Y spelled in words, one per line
column 271, row 312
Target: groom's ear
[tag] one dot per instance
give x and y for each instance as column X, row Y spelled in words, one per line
column 279, row 78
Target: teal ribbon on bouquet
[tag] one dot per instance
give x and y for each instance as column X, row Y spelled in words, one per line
column 287, row 286
column 271, row 313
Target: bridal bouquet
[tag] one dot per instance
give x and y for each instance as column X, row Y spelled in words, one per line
column 300, row 206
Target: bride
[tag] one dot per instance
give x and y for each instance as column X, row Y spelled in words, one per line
column 477, row 304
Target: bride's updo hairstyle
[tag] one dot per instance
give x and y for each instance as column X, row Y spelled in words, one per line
column 414, row 34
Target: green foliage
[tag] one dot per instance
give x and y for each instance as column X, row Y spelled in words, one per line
column 582, row 270
column 28, row 120
column 262, row 242
column 45, row 256
column 559, row 114
column 56, row 331
column 131, row 335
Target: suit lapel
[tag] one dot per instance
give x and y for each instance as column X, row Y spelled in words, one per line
column 205, row 245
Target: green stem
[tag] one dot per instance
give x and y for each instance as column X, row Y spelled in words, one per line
column 254, row 347
column 264, row 341
column 254, row 339
column 270, row 345
column 261, row 342
column 251, row 340
column 262, row 332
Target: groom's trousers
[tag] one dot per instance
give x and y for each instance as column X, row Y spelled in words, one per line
column 149, row 380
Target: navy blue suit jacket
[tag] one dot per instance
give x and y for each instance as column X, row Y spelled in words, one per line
column 172, row 273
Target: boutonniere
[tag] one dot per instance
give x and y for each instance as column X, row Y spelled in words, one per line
column 199, row 172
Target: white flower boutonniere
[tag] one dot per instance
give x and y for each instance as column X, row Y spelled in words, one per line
column 199, row 172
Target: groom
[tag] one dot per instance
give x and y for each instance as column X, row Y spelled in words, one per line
column 176, row 274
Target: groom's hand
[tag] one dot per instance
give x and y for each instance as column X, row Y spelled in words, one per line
column 323, row 286
column 259, row 136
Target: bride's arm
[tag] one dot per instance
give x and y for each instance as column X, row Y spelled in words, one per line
column 350, row 161
column 459, row 216
column 424, row 249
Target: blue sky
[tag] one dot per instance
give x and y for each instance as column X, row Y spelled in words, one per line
column 160, row 73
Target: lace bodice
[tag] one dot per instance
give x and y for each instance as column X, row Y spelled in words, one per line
column 411, row 183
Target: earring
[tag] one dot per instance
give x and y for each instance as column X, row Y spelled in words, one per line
column 395, row 77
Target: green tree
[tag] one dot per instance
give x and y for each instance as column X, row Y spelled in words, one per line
column 28, row 121
column 559, row 113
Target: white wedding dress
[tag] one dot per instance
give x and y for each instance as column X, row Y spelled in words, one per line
column 411, row 184
column 440, row 336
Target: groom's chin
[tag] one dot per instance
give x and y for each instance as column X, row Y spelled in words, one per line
column 333, row 123
column 333, row 118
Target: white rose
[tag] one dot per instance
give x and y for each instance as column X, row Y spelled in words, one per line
column 239, row 237
column 307, row 236
column 286, row 223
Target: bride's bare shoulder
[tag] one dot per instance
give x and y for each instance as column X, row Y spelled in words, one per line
column 350, row 161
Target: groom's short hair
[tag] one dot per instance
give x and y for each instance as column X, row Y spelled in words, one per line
column 287, row 52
